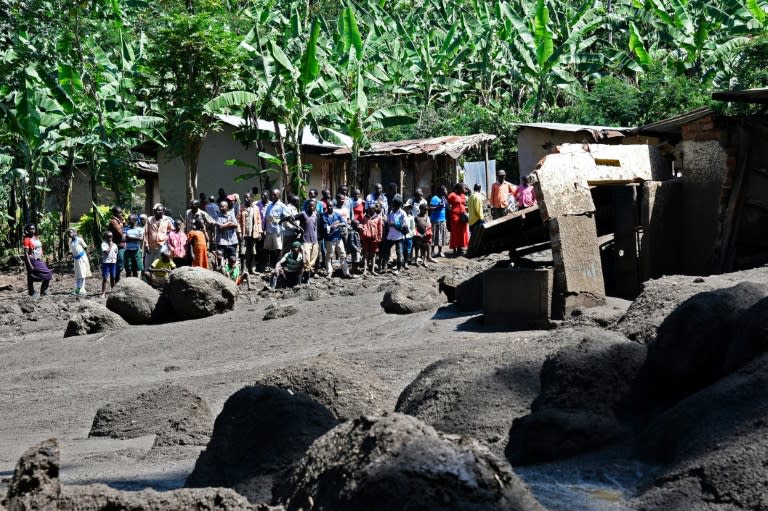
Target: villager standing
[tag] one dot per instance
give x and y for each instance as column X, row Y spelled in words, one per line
column 134, row 234
column 251, row 230
column 116, row 226
column 82, row 266
column 37, row 270
column 422, row 238
column 438, row 207
column 195, row 211
column 397, row 226
column 357, row 206
column 273, row 228
column 372, row 231
column 156, row 235
column 226, row 231
column 310, row 246
column 108, row 262
column 525, row 194
column 198, row 244
column 377, row 196
column 500, row 193
column 177, row 244
column 334, row 242
column 475, row 206
column 290, row 229
column 457, row 219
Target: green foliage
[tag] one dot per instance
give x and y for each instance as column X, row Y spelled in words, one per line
column 85, row 226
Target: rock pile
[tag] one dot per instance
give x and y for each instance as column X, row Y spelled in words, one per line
column 172, row 413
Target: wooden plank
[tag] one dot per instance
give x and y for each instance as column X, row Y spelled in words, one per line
column 735, row 202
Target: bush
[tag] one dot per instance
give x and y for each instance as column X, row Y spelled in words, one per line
column 85, row 226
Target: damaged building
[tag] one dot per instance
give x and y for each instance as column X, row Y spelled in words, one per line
column 692, row 199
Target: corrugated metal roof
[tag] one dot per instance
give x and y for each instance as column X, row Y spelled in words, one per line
column 572, row 128
column 759, row 96
column 263, row 125
column 452, row 145
column 674, row 125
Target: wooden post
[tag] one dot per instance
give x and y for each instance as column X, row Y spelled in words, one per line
column 487, row 175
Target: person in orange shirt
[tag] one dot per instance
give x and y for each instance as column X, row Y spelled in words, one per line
column 500, row 193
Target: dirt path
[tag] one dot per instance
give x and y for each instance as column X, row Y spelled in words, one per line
column 52, row 387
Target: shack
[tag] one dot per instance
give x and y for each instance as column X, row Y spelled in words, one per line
column 424, row 163
column 694, row 201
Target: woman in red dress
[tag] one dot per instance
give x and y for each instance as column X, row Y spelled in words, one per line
column 457, row 218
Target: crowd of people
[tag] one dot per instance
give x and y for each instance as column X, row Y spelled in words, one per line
column 292, row 241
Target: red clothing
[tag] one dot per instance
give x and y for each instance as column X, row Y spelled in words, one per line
column 499, row 194
column 457, row 204
column 358, row 210
column 372, row 233
column 199, row 248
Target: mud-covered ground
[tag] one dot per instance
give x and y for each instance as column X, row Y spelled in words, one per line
column 52, row 387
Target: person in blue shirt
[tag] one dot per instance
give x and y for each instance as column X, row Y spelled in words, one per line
column 395, row 229
column 437, row 208
column 335, row 228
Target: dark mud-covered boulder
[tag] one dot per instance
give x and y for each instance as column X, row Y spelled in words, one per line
column 474, row 395
column 134, row 300
column 584, row 388
column 92, row 318
column 750, row 337
column 172, row 413
column 469, row 293
column 199, row 293
column 99, row 497
column 398, row 462
column 35, row 482
column 657, row 300
column 348, row 389
column 260, row 432
column 691, row 346
column 409, row 299
column 716, row 444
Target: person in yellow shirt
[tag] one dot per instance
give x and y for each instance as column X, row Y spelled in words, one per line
column 157, row 273
column 475, row 206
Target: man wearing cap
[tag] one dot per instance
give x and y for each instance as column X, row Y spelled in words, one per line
column 500, row 193
column 291, row 265
column 156, row 234
column 251, row 230
column 194, row 212
column 273, row 228
column 116, row 227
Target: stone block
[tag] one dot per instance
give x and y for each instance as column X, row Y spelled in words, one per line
column 578, row 276
column 517, row 297
column 561, row 184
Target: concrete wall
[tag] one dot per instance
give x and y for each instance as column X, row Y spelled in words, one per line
column 661, row 213
column 704, row 164
column 81, row 195
column 535, row 143
column 517, row 297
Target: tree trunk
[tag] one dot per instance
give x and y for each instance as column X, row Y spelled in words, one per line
column 92, row 181
column 69, row 176
column 283, row 162
column 191, row 159
column 353, row 164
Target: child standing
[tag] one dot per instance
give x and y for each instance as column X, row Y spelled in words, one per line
column 108, row 263
column 408, row 239
column 371, row 233
column 82, row 267
column 355, row 245
column 422, row 239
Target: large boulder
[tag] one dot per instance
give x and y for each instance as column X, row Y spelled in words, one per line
column 398, row 462
column 35, row 482
column 716, row 443
column 260, row 432
column 475, row 395
column 348, row 389
column 92, row 318
column 407, row 299
column 198, row 293
column 584, row 387
column 172, row 413
column 134, row 300
column 691, row 346
column 751, row 338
